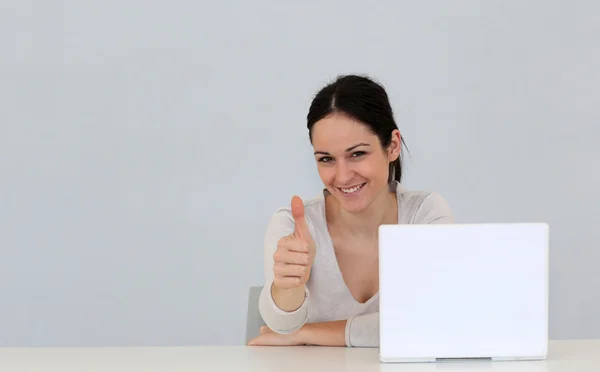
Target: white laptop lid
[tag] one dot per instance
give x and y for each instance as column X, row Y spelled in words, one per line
column 463, row 291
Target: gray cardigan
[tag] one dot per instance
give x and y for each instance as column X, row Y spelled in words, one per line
column 327, row 296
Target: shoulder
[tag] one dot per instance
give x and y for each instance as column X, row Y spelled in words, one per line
column 422, row 207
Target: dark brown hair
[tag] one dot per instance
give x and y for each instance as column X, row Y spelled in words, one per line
column 364, row 100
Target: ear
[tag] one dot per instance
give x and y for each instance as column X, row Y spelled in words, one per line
column 395, row 145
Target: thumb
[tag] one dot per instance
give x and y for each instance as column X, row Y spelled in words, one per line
column 301, row 229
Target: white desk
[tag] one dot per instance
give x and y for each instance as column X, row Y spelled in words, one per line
column 568, row 356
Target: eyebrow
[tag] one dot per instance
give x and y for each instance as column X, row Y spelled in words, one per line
column 347, row 150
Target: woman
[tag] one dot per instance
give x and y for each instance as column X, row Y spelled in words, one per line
column 321, row 255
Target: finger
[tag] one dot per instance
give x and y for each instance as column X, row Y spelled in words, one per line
column 260, row 340
column 291, row 243
column 301, row 227
column 300, row 246
column 289, row 270
column 273, row 339
column 291, row 257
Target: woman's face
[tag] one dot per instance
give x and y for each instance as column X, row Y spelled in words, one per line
column 351, row 162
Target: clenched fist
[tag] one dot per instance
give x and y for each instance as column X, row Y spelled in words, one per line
column 295, row 253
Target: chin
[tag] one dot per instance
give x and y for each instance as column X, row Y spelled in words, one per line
column 355, row 207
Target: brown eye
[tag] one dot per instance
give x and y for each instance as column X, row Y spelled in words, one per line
column 325, row 159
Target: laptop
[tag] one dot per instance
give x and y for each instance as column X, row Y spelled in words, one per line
column 460, row 292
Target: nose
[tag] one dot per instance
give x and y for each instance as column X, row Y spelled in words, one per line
column 343, row 173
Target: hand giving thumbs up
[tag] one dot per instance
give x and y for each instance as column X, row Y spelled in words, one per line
column 295, row 253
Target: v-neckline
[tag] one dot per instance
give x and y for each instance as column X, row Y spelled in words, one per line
column 331, row 244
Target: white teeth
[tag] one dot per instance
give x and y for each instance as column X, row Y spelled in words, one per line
column 351, row 190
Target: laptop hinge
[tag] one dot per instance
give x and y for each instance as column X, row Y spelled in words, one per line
column 463, row 359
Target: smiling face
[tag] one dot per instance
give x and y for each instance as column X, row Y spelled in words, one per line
column 351, row 162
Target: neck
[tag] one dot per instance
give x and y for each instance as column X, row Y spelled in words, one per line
column 383, row 210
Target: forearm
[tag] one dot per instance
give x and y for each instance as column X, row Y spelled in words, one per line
column 324, row 333
column 288, row 299
column 358, row 331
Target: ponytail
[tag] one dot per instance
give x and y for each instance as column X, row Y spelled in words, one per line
column 395, row 171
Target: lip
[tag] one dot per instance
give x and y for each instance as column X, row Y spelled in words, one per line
column 362, row 186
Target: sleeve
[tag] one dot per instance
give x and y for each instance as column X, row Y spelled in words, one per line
column 280, row 321
column 363, row 330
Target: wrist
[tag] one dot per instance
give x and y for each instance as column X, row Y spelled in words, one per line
column 288, row 299
column 331, row 333
column 305, row 335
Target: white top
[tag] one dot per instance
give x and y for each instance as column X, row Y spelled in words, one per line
column 327, row 296
column 567, row 356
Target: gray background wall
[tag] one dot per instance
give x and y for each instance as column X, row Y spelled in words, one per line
column 145, row 144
